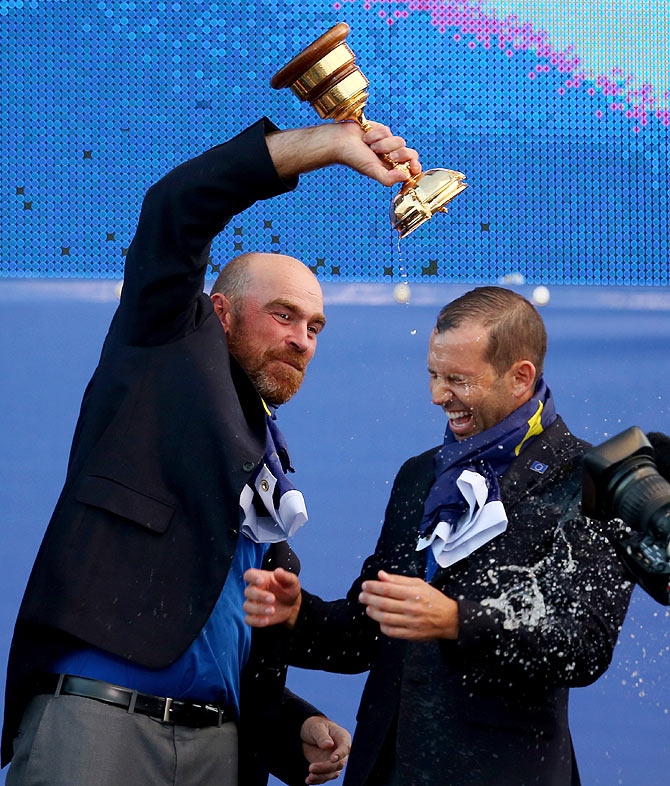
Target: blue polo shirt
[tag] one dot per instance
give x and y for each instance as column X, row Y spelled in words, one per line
column 209, row 670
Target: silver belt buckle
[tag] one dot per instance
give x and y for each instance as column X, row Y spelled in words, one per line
column 166, row 710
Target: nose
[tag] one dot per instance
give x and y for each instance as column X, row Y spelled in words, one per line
column 440, row 392
column 300, row 338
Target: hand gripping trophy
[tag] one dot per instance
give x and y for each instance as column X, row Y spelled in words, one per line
column 325, row 74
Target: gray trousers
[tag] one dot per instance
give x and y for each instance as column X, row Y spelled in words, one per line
column 73, row 741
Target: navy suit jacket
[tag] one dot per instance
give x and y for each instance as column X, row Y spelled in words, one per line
column 170, row 429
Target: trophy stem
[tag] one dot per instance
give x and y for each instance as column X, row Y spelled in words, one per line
column 362, row 121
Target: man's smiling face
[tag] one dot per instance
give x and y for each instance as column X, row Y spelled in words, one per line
column 272, row 329
column 464, row 384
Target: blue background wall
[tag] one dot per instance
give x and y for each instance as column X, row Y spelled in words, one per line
column 567, row 159
column 365, row 404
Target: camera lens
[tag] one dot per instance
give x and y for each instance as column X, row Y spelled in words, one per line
column 641, row 497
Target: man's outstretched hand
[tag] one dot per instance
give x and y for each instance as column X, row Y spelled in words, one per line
column 326, row 747
column 407, row 607
column 271, row 597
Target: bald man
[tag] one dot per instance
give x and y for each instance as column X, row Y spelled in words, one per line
column 130, row 662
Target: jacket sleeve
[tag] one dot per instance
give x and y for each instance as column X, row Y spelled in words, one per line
column 334, row 635
column 162, row 297
column 270, row 740
column 286, row 759
column 554, row 620
column 338, row 635
column 271, row 715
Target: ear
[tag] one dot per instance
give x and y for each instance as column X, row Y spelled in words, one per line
column 223, row 310
column 522, row 380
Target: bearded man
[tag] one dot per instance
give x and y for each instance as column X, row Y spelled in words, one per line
column 130, row 662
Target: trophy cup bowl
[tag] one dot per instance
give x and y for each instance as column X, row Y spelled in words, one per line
column 424, row 195
column 326, row 75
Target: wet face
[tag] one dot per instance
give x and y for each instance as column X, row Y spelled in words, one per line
column 272, row 330
column 467, row 387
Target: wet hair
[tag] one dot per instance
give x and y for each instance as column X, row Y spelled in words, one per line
column 233, row 281
column 516, row 330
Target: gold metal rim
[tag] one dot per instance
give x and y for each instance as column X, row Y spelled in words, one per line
column 338, row 58
column 415, row 204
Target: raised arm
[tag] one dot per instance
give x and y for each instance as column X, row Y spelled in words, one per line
column 302, row 150
column 180, row 216
column 184, row 211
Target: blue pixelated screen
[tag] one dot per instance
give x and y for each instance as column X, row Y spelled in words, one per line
column 556, row 111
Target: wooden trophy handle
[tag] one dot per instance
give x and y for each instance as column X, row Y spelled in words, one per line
column 309, row 56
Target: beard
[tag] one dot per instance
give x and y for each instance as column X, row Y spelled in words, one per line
column 275, row 371
column 275, row 381
column 268, row 371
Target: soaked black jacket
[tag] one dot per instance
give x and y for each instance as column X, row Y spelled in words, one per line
column 540, row 608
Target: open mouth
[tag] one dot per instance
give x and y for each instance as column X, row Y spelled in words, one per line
column 460, row 421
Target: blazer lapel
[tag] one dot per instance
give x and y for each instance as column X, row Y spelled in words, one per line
column 536, row 465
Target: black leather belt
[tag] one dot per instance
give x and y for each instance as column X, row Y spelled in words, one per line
column 181, row 713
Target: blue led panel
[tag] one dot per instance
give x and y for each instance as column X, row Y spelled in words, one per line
column 557, row 112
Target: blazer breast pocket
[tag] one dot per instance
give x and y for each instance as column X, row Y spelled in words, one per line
column 112, row 496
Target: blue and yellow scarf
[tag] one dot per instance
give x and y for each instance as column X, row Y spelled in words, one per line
column 487, row 454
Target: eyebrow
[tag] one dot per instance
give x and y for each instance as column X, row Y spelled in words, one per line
column 318, row 318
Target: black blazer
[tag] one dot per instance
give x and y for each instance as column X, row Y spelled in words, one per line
column 170, row 429
column 540, row 607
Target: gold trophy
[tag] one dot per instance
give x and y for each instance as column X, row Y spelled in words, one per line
column 325, row 74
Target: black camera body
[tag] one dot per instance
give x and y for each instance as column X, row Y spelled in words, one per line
column 621, row 481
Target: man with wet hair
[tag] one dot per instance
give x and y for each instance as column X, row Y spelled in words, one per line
column 515, row 329
column 130, row 662
column 489, row 594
